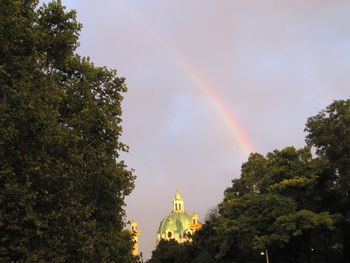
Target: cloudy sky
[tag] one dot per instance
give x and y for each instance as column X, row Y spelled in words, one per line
column 209, row 81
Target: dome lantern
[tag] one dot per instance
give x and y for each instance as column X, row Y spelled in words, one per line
column 178, row 203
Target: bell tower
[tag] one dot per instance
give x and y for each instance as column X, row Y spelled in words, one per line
column 136, row 233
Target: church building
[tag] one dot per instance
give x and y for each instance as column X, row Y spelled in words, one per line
column 178, row 224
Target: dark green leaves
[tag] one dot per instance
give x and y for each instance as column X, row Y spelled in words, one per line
column 61, row 187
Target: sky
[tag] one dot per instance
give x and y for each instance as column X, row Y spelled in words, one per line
column 210, row 81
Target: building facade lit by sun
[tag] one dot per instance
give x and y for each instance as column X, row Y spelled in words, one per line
column 135, row 233
column 178, row 224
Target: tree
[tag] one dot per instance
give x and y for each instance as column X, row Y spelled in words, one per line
column 206, row 242
column 273, row 207
column 62, row 190
column 329, row 133
column 170, row 251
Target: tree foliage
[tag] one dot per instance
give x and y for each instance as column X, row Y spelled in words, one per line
column 272, row 206
column 169, row 251
column 329, row 133
column 62, row 190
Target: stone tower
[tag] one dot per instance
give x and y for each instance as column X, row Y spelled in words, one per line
column 136, row 233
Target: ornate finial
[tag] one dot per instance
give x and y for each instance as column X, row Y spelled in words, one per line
column 177, row 190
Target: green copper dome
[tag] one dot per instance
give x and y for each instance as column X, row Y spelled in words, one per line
column 178, row 224
column 175, row 223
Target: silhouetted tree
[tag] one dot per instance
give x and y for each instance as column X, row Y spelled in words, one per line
column 329, row 133
column 272, row 206
column 170, row 251
column 61, row 189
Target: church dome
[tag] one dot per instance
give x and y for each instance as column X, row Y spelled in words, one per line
column 175, row 225
column 178, row 224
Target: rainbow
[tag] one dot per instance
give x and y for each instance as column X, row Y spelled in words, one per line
column 230, row 120
column 235, row 128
